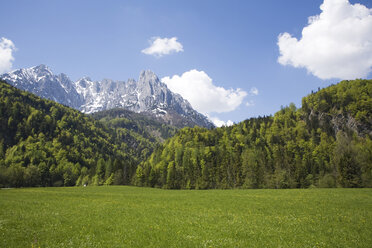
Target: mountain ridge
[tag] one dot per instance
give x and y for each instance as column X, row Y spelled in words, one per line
column 43, row 143
column 147, row 95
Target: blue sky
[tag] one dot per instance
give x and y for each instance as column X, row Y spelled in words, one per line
column 233, row 42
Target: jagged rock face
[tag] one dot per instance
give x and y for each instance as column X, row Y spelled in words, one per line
column 42, row 82
column 149, row 95
column 338, row 122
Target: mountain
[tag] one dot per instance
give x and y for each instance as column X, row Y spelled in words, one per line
column 149, row 95
column 149, row 128
column 43, row 143
column 325, row 143
column 42, row 82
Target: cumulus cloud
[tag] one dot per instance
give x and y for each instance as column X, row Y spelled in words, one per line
column 163, row 46
column 335, row 44
column 7, row 48
column 254, row 91
column 198, row 88
column 219, row 123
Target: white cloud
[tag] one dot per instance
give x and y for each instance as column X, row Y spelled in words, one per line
column 197, row 87
column 250, row 103
column 219, row 123
column 335, row 44
column 163, row 46
column 254, row 91
column 7, row 48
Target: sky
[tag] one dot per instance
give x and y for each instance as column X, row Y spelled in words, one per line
column 231, row 59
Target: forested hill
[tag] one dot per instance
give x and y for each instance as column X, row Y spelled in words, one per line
column 43, row 143
column 139, row 123
column 325, row 143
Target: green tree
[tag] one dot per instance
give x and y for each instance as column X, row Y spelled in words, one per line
column 349, row 171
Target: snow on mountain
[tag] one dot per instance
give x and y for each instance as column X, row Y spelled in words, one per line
column 42, row 82
column 149, row 95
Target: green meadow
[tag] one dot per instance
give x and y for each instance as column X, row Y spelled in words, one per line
column 120, row 216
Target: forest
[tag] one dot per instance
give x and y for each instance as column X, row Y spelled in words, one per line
column 43, row 143
column 325, row 143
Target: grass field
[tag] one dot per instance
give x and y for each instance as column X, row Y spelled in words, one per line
column 144, row 217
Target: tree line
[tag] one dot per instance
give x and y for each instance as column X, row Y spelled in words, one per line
column 325, row 143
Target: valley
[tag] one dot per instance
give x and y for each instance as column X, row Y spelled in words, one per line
column 325, row 143
column 122, row 216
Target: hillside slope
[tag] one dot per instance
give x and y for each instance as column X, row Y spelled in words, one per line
column 140, row 123
column 43, row 143
column 325, row 143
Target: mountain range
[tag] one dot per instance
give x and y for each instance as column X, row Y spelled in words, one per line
column 327, row 142
column 148, row 95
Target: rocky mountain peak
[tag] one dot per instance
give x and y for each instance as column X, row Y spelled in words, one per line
column 42, row 70
column 148, row 76
column 41, row 81
column 147, row 95
column 86, row 79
